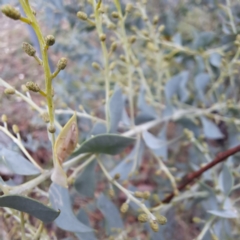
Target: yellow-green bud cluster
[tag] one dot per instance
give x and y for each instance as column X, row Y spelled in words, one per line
column 145, row 195
column 132, row 39
column 11, row 12
column 9, row 91
column 62, row 63
column 129, row 7
column 143, row 217
column 102, row 37
column 96, row 66
column 32, row 87
column 189, row 134
column 115, row 14
column 45, row 117
column 154, row 226
column 111, row 193
column 116, row 176
column 82, row 15
column 161, row 219
column 50, row 40
column 124, row 207
column 113, row 46
column 28, row 49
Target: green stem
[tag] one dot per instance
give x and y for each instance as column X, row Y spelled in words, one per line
column 22, row 226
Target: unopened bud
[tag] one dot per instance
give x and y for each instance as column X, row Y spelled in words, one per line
column 161, row 28
column 32, row 87
column 129, row 7
column 143, row 217
column 28, row 49
column 11, row 12
column 116, row 176
column 161, row 219
column 155, row 20
column 9, row 91
column 112, row 65
column 102, row 37
column 15, row 129
column 4, row 118
column 62, row 63
column 50, row 40
column 124, row 207
column 45, row 117
column 122, row 57
column 24, row 88
column 82, row 15
column 146, row 195
column 197, row 220
column 154, row 226
column 138, row 194
column 51, row 129
column 115, row 14
column 111, row 26
column 96, row 66
column 113, row 46
column 111, row 193
column 132, row 39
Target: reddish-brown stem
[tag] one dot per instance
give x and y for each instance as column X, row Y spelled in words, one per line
column 194, row 175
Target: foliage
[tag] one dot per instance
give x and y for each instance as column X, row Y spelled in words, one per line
column 157, row 100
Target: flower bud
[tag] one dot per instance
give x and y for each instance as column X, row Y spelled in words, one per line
column 24, row 88
column 161, row 28
column 112, row 65
column 28, row 49
column 32, row 87
column 161, row 219
column 113, row 46
column 9, row 91
column 45, row 117
column 96, row 66
column 143, row 217
column 132, row 39
column 116, row 176
column 154, row 226
column 82, row 15
column 11, row 12
column 50, row 40
column 124, row 207
column 111, row 26
column 102, row 37
column 15, row 129
column 111, row 193
column 129, row 7
column 51, row 129
column 62, row 63
column 115, row 14
column 155, row 20
column 138, row 194
column 4, row 118
column 146, row 195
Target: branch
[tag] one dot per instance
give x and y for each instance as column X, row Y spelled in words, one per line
column 192, row 176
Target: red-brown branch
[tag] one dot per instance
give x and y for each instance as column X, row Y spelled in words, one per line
column 192, row 176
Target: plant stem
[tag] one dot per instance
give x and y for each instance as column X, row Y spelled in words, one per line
column 22, row 226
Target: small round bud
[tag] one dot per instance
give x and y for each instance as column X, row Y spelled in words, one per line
column 4, row 118
column 145, row 33
column 124, row 207
column 101, row 9
column 51, row 129
column 9, row 91
column 50, row 40
column 115, row 14
column 138, row 194
column 45, row 117
column 143, row 217
column 111, row 26
column 161, row 219
column 122, row 57
column 82, row 15
column 96, row 66
column 132, row 39
column 146, row 195
column 112, row 65
column 214, row 237
column 197, row 220
column 11, row 12
column 129, row 7
column 111, row 193
column 113, row 46
column 102, row 37
column 62, row 63
column 161, row 28
column 154, row 226
column 28, row 49
column 15, row 129
column 32, row 87
column 24, row 88
column 155, row 20
column 116, row 176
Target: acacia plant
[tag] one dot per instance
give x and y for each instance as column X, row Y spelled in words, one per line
column 170, row 120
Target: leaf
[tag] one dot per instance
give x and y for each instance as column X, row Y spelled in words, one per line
column 67, row 140
column 225, row 180
column 201, row 81
column 105, row 143
column 83, row 217
column 30, row 206
column 60, row 199
column 215, row 59
column 230, row 213
column 16, row 163
column 210, row 202
column 98, row 128
column 210, row 129
column 110, row 213
column 115, row 110
column 65, row 144
column 85, row 182
column 151, row 141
